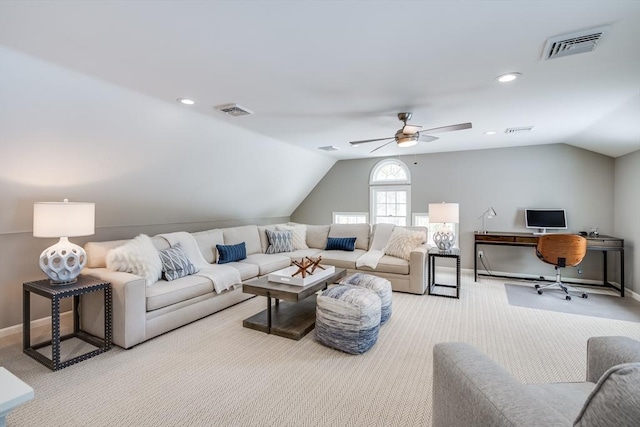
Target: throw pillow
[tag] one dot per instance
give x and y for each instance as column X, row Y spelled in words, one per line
column 231, row 253
column 279, row 241
column 341, row 244
column 175, row 263
column 138, row 256
column 298, row 235
column 403, row 241
column 615, row 397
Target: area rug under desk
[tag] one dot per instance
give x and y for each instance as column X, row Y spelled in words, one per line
column 597, row 305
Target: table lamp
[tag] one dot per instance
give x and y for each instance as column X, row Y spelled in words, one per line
column 444, row 213
column 489, row 213
column 63, row 261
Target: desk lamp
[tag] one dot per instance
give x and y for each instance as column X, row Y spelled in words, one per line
column 63, row 261
column 444, row 213
column 489, row 213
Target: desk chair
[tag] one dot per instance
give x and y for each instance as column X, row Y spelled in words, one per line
column 561, row 250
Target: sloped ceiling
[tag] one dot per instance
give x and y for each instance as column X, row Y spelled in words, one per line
column 322, row 73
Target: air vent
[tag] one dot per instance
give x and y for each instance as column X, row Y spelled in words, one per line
column 233, row 110
column 525, row 129
column 574, row 43
column 328, row 148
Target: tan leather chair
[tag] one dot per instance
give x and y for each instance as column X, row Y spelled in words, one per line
column 561, row 250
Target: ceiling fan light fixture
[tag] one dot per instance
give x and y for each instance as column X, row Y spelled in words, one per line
column 411, row 129
column 407, row 141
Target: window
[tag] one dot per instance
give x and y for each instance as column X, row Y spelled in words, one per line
column 350, row 218
column 390, row 197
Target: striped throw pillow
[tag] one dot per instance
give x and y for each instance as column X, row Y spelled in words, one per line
column 231, row 253
column 175, row 263
column 279, row 241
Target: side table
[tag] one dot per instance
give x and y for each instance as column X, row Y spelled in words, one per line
column 84, row 285
column 433, row 254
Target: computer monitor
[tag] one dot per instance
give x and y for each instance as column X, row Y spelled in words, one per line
column 545, row 219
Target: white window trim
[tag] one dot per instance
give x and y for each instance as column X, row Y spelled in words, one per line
column 366, row 215
column 382, row 164
column 372, row 199
column 416, row 214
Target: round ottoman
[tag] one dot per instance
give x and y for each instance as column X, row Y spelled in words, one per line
column 379, row 285
column 348, row 318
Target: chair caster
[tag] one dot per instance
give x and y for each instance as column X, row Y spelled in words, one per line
column 585, row 296
column 537, row 286
column 539, row 292
column 568, row 297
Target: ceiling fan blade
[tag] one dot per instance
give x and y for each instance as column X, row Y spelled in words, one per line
column 411, row 129
column 364, row 141
column 383, row 145
column 427, row 138
column 459, row 126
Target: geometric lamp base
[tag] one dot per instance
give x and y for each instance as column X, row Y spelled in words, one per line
column 63, row 262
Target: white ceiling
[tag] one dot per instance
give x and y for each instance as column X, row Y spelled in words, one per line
column 322, row 73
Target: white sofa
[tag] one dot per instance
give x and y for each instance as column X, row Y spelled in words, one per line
column 141, row 312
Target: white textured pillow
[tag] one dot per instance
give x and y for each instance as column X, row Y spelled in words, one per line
column 298, row 235
column 403, row 241
column 138, row 256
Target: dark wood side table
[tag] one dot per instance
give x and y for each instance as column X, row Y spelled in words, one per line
column 84, row 285
column 435, row 253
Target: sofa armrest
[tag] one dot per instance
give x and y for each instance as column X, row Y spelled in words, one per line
column 129, row 307
column 418, row 269
column 606, row 352
column 471, row 389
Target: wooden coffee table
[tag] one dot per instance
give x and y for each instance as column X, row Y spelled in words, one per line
column 295, row 316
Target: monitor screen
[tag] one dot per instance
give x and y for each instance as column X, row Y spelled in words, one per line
column 543, row 219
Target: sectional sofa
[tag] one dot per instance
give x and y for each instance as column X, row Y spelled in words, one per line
column 144, row 308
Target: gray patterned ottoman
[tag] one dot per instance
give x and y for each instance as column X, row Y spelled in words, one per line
column 348, row 318
column 379, row 285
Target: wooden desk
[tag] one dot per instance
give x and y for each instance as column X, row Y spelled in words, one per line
column 602, row 243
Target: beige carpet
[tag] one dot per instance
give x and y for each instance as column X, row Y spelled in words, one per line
column 214, row 372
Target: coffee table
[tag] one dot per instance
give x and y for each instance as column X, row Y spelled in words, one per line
column 295, row 316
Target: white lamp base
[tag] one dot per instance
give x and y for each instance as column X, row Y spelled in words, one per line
column 444, row 240
column 63, row 262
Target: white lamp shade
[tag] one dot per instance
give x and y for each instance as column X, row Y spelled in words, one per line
column 63, row 219
column 444, row 212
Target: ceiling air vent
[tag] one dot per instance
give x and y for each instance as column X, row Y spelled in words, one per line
column 328, row 148
column 525, row 129
column 233, row 110
column 574, row 43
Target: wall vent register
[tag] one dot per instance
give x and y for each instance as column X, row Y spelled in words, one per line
column 573, row 43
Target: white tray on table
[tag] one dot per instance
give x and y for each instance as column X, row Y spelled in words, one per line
column 284, row 275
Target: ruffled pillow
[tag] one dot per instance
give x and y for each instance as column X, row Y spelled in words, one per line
column 138, row 256
column 403, row 241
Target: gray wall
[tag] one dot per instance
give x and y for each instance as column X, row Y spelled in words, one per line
column 627, row 206
column 510, row 180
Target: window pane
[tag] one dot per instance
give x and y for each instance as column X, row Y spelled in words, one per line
column 402, row 197
column 391, row 197
column 380, row 197
column 391, row 210
column 401, row 210
column 381, row 210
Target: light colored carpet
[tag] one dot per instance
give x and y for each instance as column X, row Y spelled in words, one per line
column 214, row 372
column 607, row 306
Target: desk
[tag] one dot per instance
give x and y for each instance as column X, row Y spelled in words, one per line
column 602, row 243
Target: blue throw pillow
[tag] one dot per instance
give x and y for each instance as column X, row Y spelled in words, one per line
column 341, row 244
column 231, row 253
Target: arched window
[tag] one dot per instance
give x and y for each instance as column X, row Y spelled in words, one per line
column 390, row 193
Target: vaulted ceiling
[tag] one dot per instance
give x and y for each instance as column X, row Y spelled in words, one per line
column 319, row 73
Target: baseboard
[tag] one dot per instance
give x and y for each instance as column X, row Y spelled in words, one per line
column 38, row 323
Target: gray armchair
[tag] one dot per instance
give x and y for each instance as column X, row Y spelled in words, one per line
column 469, row 389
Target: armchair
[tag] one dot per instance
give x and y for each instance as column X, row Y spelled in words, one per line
column 469, row 389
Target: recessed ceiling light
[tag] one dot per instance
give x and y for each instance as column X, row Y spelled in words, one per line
column 509, row 77
column 490, row 132
column 185, row 101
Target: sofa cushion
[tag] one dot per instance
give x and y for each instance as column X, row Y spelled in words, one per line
column 317, row 236
column 164, row 293
column 341, row 259
column 231, row 253
column 247, row 234
column 247, row 270
column 389, row 264
column 267, row 263
column 262, row 233
column 97, row 252
column 360, row 231
column 175, row 263
column 341, row 244
column 566, row 398
column 403, row 241
column 303, row 253
column 616, row 396
column 279, row 241
column 298, row 233
column 138, row 256
column 207, row 241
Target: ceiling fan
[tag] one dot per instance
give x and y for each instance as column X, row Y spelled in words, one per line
column 409, row 135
